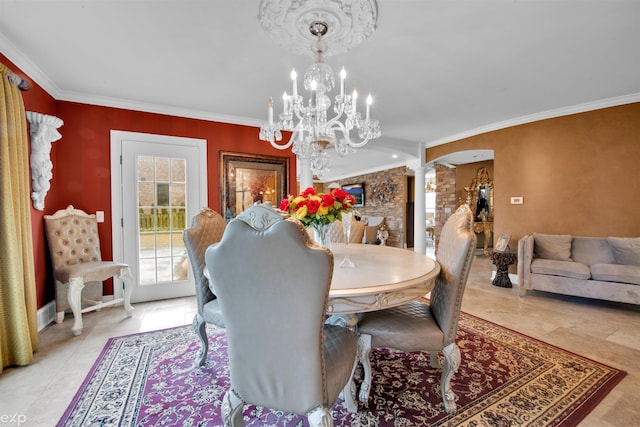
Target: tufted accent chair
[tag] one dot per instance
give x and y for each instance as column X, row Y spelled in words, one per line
column 74, row 247
column 432, row 327
column 356, row 235
column 206, row 229
column 281, row 353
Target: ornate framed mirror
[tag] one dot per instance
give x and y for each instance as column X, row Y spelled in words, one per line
column 481, row 196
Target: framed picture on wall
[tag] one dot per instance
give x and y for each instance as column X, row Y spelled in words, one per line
column 357, row 191
column 249, row 178
column 503, row 243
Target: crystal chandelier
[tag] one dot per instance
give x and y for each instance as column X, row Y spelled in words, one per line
column 313, row 130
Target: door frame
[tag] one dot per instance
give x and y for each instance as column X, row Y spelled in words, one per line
column 117, row 137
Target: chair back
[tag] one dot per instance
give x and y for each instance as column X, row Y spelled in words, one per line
column 73, row 238
column 272, row 284
column 206, row 229
column 455, row 253
column 355, row 236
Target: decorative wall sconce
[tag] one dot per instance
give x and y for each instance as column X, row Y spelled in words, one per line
column 43, row 130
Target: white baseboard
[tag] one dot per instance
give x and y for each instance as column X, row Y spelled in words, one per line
column 47, row 314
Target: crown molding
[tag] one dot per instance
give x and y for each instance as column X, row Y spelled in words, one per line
column 33, row 72
column 550, row 114
column 105, row 101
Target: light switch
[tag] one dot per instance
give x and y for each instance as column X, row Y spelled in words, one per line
column 100, row 216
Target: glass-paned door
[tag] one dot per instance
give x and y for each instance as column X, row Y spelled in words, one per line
column 162, row 188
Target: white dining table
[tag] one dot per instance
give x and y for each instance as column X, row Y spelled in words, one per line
column 382, row 277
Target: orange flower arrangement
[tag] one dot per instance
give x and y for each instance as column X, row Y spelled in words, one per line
column 313, row 209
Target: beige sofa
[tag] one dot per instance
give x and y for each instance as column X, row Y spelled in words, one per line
column 606, row 268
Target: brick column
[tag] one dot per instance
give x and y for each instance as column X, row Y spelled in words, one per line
column 445, row 196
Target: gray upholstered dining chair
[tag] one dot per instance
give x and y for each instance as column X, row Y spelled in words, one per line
column 273, row 284
column 432, row 327
column 206, row 229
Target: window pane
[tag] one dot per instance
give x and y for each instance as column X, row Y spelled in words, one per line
column 162, row 194
column 147, row 271
column 162, row 169
column 178, row 197
column 165, row 270
column 178, row 247
column 179, row 220
column 145, row 168
column 162, row 219
column 178, row 170
column 145, row 193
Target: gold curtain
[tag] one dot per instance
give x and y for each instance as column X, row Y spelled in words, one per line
column 18, row 309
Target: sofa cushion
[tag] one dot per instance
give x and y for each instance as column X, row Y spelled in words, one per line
column 616, row 273
column 591, row 250
column 575, row 270
column 552, row 246
column 626, row 250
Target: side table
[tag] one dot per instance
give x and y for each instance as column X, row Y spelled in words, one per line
column 502, row 261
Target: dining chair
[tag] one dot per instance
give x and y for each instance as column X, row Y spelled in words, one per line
column 78, row 268
column 207, row 228
column 430, row 327
column 273, row 284
column 355, row 236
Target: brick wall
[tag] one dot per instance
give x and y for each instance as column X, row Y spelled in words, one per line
column 393, row 210
column 445, row 196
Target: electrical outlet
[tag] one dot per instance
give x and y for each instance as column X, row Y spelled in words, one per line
column 100, row 216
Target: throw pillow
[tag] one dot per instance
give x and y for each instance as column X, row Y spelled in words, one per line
column 626, row 250
column 552, row 246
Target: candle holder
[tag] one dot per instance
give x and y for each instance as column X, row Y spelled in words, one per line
column 346, row 228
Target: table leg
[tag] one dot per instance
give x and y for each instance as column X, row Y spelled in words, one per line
column 487, row 236
column 364, row 351
column 502, row 277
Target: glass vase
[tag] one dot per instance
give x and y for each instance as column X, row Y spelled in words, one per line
column 322, row 234
column 347, row 217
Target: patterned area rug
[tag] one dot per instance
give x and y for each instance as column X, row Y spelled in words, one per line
column 505, row 379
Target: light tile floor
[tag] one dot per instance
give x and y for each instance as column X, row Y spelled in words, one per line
column 38, row 394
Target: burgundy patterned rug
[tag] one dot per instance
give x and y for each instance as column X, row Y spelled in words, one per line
column 505, row 379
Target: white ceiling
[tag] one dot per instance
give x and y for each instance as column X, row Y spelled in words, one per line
column 439, row 70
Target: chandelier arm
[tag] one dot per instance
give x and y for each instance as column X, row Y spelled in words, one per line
column 300, row 111
column 275, row 145
column 338, row 115
column 340, row 126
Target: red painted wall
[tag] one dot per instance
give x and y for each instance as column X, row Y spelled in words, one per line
column 82, row 169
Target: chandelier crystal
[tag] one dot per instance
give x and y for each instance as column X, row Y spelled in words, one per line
column 315, row 126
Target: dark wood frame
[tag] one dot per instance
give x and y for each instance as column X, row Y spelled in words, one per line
column 259, row 165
